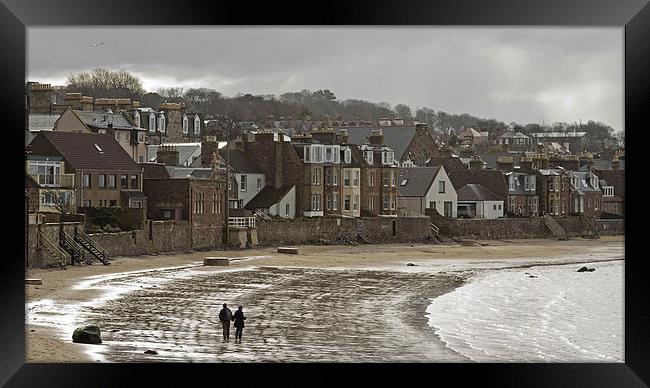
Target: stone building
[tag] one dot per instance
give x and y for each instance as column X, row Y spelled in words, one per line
column 379, row 176
column 586, row 196
column 554, row 191
column 523, row 200
column 422, row 188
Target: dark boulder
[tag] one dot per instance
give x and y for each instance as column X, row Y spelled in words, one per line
column 410, row 265
column 88, row 334
column 150, row 352
column 583, row 269
column 592, row 269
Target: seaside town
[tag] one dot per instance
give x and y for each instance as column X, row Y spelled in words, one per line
column 145, row 212
column 113, row 176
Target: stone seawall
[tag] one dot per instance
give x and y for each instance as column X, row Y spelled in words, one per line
column 333, row 230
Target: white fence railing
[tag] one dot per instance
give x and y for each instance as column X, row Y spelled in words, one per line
column 241, row 222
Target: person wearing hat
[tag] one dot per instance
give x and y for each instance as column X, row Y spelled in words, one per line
column 225, row 316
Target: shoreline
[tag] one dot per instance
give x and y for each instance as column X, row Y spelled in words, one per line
column 58, row 285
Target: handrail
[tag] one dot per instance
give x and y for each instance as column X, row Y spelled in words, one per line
column 63, row 236
column 90, row 241
column 435, row 229
column 241, row 222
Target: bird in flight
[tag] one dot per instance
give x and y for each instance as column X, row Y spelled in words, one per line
column 97, row 44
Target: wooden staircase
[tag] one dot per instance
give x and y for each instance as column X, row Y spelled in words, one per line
column 435, row 232
column 50, row 247
column 555, row 227
column 362, row 233
column 76, row 252
column 89, row 245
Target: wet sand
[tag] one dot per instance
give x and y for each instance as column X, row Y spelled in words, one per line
column 329, row 303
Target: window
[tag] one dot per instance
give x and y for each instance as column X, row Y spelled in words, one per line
column 152, row 122
column 392, row 202
column 386, row 202
column 315, row 177
column 335, row 177
column 346, row 202
column 140, row 137
column 286, row 209
column 136, row 204
column 117, row 135
column 98, row 148
column 112, row 203
column 328, row 176
column 111, row 181
column 385, row 178
column 347, row 156
column 136, row 118
column 241, row 203
column 126, row 136
column 404, row 182
column 328, row 205
column 393, row 179
column 511, row 182
column 197, row 125
column 140, row 159
column 102, row 181
column 499, row 206
column 167, row 214
column 161, row 123
column 557, row 183
column 259, row 183
column 134, row 181
column 355, row 178
column 86, row 203
column 387, row 157
column 317, row 153
column 307, row 154
column 368, row 156
column 315, row 202
column 371, row 180
column 329, row 156
column 185, row 124
column 550, row 184
column 441, row 187
column 355, row 203
column 533, row 183
column 243, row 183
column 86, row 180
column 371, row 203
column 346, row 178
column 335, row 201
column 527, row 183
column 123, row 181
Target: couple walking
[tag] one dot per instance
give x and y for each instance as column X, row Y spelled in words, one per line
column 225, row 316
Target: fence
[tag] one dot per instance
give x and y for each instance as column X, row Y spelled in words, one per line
column 241, row 222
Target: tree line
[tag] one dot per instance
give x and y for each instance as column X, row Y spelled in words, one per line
column 305, row 105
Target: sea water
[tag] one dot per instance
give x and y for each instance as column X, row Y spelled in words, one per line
column 536, row 314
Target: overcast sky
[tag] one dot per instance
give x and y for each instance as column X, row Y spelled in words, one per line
column 510, row 74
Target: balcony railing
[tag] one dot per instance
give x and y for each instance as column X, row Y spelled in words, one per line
column 241, row 222
column 61, row 180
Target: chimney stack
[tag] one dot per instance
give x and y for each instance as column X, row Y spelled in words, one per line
column 505, row 163
column 376, row 137
column 167, row 155
column 476, row 164
column 208, row 147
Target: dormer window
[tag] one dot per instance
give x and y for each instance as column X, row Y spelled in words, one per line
column 185, row 124
column 152, row 122
column 337, row 154
column 197, row 125
column 136, row 118
column 347, row 156
column 329, row 156
column 161, row 123
column 368, row 156
column 387, row 157
column 307, row 154
column 511, row 182
column 316, row 153
column 98, row 148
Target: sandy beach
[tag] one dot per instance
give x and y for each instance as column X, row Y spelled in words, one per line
column 169, row 302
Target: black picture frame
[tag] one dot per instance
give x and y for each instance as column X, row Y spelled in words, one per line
column 16, row 15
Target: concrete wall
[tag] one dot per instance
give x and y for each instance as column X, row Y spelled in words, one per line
column 610, row 227
column 38, row 258
column 318, row 230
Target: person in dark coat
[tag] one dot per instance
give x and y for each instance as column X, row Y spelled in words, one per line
column 239, row 323
column 225, row 316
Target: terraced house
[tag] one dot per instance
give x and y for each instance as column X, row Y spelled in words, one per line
column 586, row 196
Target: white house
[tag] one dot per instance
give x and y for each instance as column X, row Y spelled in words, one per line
column 421, row 188
column 250, row 178
column 275, row 201
column 475, row 201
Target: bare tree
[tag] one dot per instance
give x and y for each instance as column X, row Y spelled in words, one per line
column 61, row 200
column 106, row 83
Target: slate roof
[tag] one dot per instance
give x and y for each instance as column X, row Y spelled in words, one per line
column 476, row 192
column 42, row 122
column 396, row 137
column 490, row 158
column 187, row 172
column 520, row 184
column 581, row 186
column 185, row 152
column 614, row 178
column 607, row 164
column 78, row 149
column 492, row 180
column 418, row 180
column 268, row 197
column 101, row 120
column 240, row 162
column 154, row 171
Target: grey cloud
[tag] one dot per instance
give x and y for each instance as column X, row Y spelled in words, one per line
column 511, row 74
